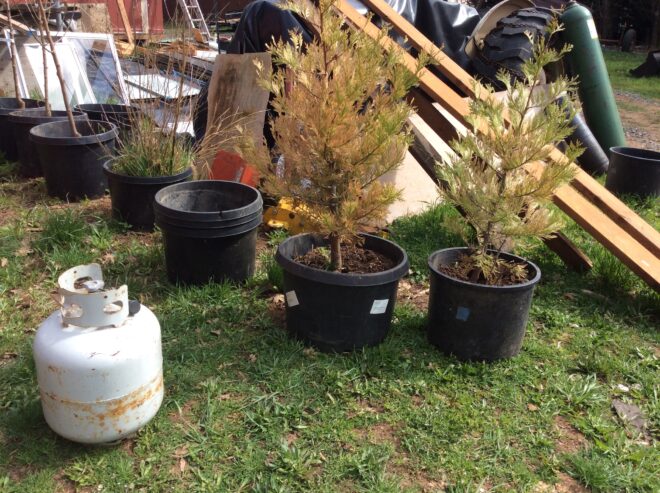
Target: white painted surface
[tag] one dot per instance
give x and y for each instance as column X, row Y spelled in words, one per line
column 99, row 384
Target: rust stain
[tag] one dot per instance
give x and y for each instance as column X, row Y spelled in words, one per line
column 133, row 400
column 113, row 409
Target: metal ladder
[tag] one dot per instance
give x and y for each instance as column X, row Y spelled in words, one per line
column 195, row 18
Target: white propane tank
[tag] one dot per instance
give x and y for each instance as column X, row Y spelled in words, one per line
column 99, row 367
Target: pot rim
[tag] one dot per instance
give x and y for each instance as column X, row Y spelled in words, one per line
column 637, row 153
column 111, row 109
column 7, row 111
column 341, row 278
column 246, row 210
column 144, row 180
column 25, row 116
column 110, row 132
column 509, row 256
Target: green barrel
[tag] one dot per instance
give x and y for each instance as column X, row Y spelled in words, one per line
column 586, row 61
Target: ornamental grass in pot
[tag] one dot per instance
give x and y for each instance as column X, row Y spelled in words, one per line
column 339, row 125
column 502, row 180
column 152, row 152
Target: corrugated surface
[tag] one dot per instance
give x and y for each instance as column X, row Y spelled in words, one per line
column 134, row 9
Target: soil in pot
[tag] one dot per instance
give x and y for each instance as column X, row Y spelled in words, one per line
column 336, row 311
column 73, row 165
column 7, row 141
column 634, row 172
column 356, row 260
column 22, row 122
column 133, row 196
column 477, row 321
column 209, row 230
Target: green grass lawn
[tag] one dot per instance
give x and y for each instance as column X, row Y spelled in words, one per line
column 619, row 63
column 249, row 409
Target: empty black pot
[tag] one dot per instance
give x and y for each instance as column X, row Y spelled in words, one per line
column 7, row 141
column 133, row 196
column 209, row 230
column 634, row 171
column 334, row 311
column 73, row 166
column 475, row 321
column 120, row 115
column 22, row 121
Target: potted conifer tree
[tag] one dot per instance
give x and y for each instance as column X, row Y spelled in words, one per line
column 502, row 180
column 340, row 124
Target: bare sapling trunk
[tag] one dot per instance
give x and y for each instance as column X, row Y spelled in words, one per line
column 58, row 70
column 14, row 55
column 336, row 261
column 177, row 113
column 43, row 25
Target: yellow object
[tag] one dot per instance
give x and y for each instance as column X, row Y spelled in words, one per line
column 285, row 215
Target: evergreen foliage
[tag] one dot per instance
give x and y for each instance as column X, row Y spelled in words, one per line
column 495, row 178
column 340, row 125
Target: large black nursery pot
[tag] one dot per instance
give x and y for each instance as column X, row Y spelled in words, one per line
column 120, row 115
column 133, row 196
column 474, row 321
column 73, row 166
column 22, row 122
column 336, row 311
column 7, row 140
column 634, row 171
column 209, row 230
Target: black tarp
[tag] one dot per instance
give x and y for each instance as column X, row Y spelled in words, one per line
column 447, row 24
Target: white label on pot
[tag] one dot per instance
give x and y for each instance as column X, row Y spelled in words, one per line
column 592, row 29
column 462, row 313
column 292, row 299
column 379, row 307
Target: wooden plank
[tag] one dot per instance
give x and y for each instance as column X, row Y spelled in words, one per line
column 125, row 21
column 617, row 227
column 234, row 91
column 639, row 259
column 18, row 26
column 619, row 212
column 424, row 107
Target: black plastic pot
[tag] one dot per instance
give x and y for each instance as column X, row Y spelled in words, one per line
column 334, row 311
column 73, row 166
column 634, row 171
column 209, row 230
column 594, row 160
column 7, row 141
column 22, row 121
column 133, row 196
column 120, row 115
column 475, row 321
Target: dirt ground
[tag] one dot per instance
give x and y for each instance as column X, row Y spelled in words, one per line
column 641, row 119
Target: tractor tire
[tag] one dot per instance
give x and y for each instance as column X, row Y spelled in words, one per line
column 507, row 46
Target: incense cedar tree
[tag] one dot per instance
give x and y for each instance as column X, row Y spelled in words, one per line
column 340, row 125
column 495, row 178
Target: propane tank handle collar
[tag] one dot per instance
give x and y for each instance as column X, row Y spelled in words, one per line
column 85, row 303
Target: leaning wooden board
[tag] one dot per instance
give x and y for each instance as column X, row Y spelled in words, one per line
column 607, row 219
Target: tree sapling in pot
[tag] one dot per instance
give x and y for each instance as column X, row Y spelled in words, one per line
column 339, row 125
column 502, row 180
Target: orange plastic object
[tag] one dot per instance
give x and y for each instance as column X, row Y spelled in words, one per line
column 230, row 166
